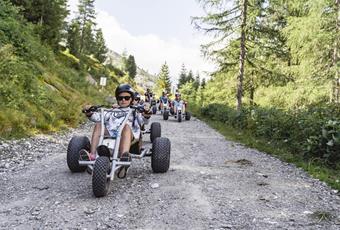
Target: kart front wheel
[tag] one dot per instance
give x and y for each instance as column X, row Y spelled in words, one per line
column 155, row 131
column 160, row 157
column 154, row 110
column 100, row 182
column 179, row 117
column 165, row 115
column 76, row 144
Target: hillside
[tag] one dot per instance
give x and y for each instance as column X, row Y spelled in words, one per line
column 41, row 90
column 143, row 78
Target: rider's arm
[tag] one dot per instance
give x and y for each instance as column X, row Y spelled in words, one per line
column 95, row 117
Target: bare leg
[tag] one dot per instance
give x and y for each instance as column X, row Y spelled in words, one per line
column 95, row 137
column 126, row 139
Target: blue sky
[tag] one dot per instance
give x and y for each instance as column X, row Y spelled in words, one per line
column 154, row 31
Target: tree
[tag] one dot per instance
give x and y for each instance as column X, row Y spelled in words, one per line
column 86, row 19
column 182, row 77
column 203, row 83
column 312, row 35
column 73, row 38
column 163, row 81
column 100, row 47
column 190, row 77
column 196, row 83
column 48, row 16
column 131, row 66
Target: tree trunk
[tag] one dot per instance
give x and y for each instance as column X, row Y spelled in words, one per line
column 336, row 54
column 252, row 90
column 242, row 56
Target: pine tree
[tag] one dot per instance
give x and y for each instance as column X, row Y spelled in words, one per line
column 131, row 66
column 73, row 38
column 163, row 81
column 313, row 38
column 86, row 19
column 100, row 47
column 48, row 16
column 190, row 77
column 182, row 77
column 203, row 83
column 196, row 83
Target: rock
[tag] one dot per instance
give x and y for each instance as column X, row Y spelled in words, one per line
column 7, row 165
column 154, row 185
column 307, row 212
column 89, row 211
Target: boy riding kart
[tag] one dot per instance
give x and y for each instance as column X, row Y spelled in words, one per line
column 179, row 108
column 115, row 140
column 125, row 96
column 163, row 101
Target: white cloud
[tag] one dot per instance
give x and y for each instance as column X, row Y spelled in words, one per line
column 149, row 50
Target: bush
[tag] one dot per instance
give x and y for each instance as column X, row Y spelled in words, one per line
column 312, row 132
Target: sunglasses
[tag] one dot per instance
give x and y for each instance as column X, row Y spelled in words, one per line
column 126, row 98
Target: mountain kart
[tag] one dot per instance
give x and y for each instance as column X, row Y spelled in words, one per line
column 108, row 162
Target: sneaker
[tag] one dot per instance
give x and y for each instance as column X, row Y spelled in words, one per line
column 84, row 155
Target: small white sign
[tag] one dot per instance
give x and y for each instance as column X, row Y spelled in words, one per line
column 102, row 81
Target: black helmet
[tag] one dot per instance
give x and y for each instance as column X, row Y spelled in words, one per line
column 137, row 95
column 125, row 88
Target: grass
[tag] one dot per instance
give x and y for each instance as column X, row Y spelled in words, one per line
column 314, row 168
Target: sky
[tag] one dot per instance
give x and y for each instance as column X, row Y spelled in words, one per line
column 154, row 32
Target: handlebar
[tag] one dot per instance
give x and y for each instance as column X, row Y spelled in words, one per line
column 93, row 108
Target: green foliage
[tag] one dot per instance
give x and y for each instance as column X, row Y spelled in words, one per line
column 326, row 145
column 48, row 17
column 37, row 90
column 100, row 49
column 131, row 67
column 163, row 82
column 311, row 130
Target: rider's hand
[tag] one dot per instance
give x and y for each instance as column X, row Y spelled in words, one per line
column 85, row 110
column 147, row 107
column 114, row 106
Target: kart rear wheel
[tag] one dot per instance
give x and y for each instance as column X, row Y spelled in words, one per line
column 160, row 157
column 74, row 146
column 155, row 131
column 100, row 182
column 187, row 116
column 166, row 115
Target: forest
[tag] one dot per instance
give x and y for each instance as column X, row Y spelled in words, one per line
column 278, row 77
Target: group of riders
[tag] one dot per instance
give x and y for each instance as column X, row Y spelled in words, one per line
column 164, row 100
column 126, row 97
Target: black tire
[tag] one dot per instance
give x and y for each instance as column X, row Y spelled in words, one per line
column 154, row 109
column 165, row 115
column 155, row 131
column 100, row 182
column 160, row 157
column 74, row 146
column 187, row 116
column 179, row 117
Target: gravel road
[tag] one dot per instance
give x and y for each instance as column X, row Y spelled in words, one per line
column 212, row 183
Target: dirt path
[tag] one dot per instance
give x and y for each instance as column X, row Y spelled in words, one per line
column 212, row 184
